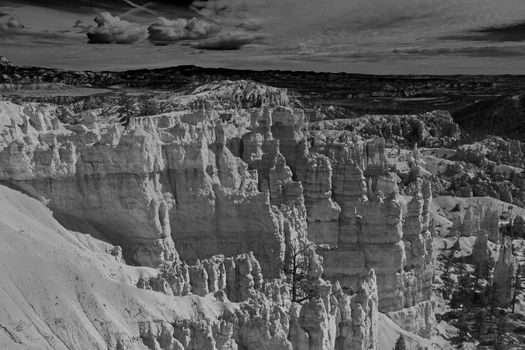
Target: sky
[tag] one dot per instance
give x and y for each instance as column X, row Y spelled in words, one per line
column 356, row 36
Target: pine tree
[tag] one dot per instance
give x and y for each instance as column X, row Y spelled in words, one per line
column 516, row 287
column 501, row 328
column 130, row 109
column 400, row 343
column 150, row 105
column 296, row 267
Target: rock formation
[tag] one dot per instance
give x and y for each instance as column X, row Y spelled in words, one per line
column 468, row 224
column 238, row 276
column 266, row 318
column 478, row 219
column 481, row 256
column 178, row 188
column 158, row 181
column 490, row 224
column 504, row 274
column 351, row 202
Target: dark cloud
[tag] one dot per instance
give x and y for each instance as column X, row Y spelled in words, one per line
column 472, row 51
column 226, row 41
column 210, row 8
column 514, row 32
column 165, row 31
column 504, row 33
column 111, row 29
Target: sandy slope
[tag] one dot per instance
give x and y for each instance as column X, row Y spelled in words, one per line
column 62, row 290
column 388, row 332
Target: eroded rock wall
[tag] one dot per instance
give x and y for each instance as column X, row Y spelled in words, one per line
column 353, row 206
column 157, row 181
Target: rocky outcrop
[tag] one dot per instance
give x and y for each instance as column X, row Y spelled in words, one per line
column 239, row 277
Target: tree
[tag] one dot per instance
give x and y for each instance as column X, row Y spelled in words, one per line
column 516, row 287
column 296, row 267
column 400, row 343
column 464, row 289
column 502, row 325
column 492, row 299
column 481, row 322
column 150, row 105
column 129, row 109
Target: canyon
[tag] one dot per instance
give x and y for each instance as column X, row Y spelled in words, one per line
column 233, row 215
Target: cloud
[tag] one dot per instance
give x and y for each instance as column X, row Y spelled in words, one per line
column 304, row 50
column 251, row 25
column 240, row 14
column 224, row 25
column 111, row 29
column 226, row 41
column 165, row 31
column 10, row 23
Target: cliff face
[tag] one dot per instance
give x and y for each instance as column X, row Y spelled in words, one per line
column 158, row 181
